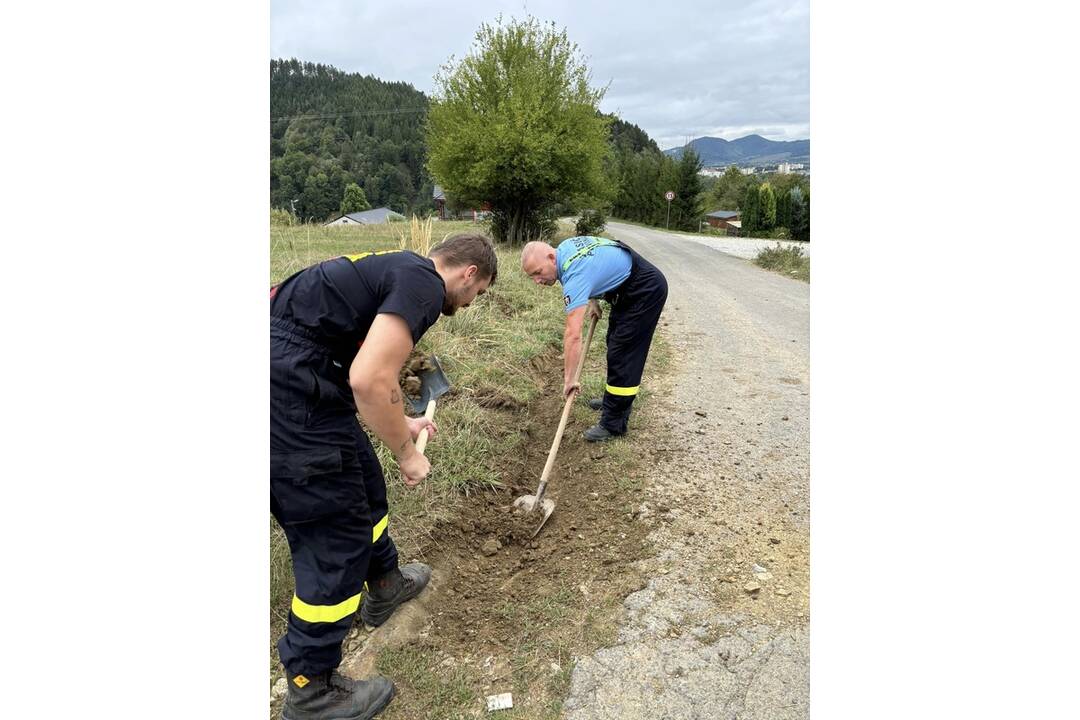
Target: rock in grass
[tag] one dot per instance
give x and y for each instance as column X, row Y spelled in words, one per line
column 752, row 587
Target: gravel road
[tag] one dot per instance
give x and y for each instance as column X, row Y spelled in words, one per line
column 721, row 630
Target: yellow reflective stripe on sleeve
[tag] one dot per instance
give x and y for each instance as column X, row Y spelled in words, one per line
column 622, row 391
column 361, row 256
column 380, row 528
column 585, row 250
column 325, row 613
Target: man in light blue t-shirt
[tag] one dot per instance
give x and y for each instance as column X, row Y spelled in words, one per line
column 591, row 268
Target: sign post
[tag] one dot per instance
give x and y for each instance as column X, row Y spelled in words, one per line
column 669, row 195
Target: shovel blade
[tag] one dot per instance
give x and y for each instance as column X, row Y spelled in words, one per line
column 528, row 504
column 433, row 384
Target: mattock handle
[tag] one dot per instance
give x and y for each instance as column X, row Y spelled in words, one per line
column 565, row 416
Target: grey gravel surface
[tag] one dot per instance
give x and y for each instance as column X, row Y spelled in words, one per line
column 721, row 629
column 743, row 247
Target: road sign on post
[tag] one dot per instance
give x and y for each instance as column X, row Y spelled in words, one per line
column 669, row 196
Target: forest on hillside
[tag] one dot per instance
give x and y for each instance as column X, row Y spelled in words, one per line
column 329, row 128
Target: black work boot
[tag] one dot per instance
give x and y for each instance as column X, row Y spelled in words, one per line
column 598, row 433
column 595, row 403
column 329, row 695
column 395, row 587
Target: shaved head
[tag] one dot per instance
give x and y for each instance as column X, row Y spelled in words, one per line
column 538, row 262
column 534, row 248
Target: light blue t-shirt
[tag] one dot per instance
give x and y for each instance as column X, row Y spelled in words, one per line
column 599, row 269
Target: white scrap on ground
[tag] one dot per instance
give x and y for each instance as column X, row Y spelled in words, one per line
column 505, row 701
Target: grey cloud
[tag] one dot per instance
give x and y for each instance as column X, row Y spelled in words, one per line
column 679, row 70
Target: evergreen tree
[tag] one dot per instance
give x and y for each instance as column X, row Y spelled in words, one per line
column 686, row 207
column 783, row 209
column 751, row 208
column 800, row 215
column 767, row 211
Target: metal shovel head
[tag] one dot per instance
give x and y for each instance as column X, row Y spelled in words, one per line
column 528, row 504
column 433, row 384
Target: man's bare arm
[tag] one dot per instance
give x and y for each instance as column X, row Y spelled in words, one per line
column 572, row 346
column 373, row 377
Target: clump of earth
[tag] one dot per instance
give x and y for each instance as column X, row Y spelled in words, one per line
column 409, row 377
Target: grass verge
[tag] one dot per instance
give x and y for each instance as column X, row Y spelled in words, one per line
column 788, row 261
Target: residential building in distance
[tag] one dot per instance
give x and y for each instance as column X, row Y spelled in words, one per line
column 368, row 217
column 723, row 219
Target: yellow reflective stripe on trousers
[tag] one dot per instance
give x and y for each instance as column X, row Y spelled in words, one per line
column 622, row 391
column 325, row 613
column 380, row 528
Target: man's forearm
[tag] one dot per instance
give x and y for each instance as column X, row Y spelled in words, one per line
column 380, row 405
column 571, row 354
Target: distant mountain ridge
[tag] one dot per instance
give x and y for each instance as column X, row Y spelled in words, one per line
column 749, row 150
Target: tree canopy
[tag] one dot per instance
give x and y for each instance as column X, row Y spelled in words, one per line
column 354, row 200
column 515, row 125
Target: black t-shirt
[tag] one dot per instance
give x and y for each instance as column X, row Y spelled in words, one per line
column 337, row 300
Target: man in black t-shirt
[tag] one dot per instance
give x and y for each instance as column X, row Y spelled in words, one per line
column 340, row 332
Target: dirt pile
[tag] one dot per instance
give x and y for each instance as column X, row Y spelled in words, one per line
column 409, row 376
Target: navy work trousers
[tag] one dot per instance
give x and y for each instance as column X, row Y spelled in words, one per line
column 328, row 494
column 635, row 310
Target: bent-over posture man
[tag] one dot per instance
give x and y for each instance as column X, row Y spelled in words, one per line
column 590, row 268
column 340, row 332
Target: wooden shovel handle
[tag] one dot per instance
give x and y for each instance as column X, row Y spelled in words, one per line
column 565, row 415
column 422, row 438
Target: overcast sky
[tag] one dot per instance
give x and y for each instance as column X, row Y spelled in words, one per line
column 679, row 70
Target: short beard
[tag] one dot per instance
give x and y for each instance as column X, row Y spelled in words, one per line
column 448, row 306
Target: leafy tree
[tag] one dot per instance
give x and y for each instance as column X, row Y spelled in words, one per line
column 515, row 124
column 316, row 200
column 729, row 188
column 591, row 222
column 639, row 186
column 767, row 212
column 354, row 200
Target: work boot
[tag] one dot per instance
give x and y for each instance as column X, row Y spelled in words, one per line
column 395, row 587
column 595, row 403
column 329, row 695
column 598, row 433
